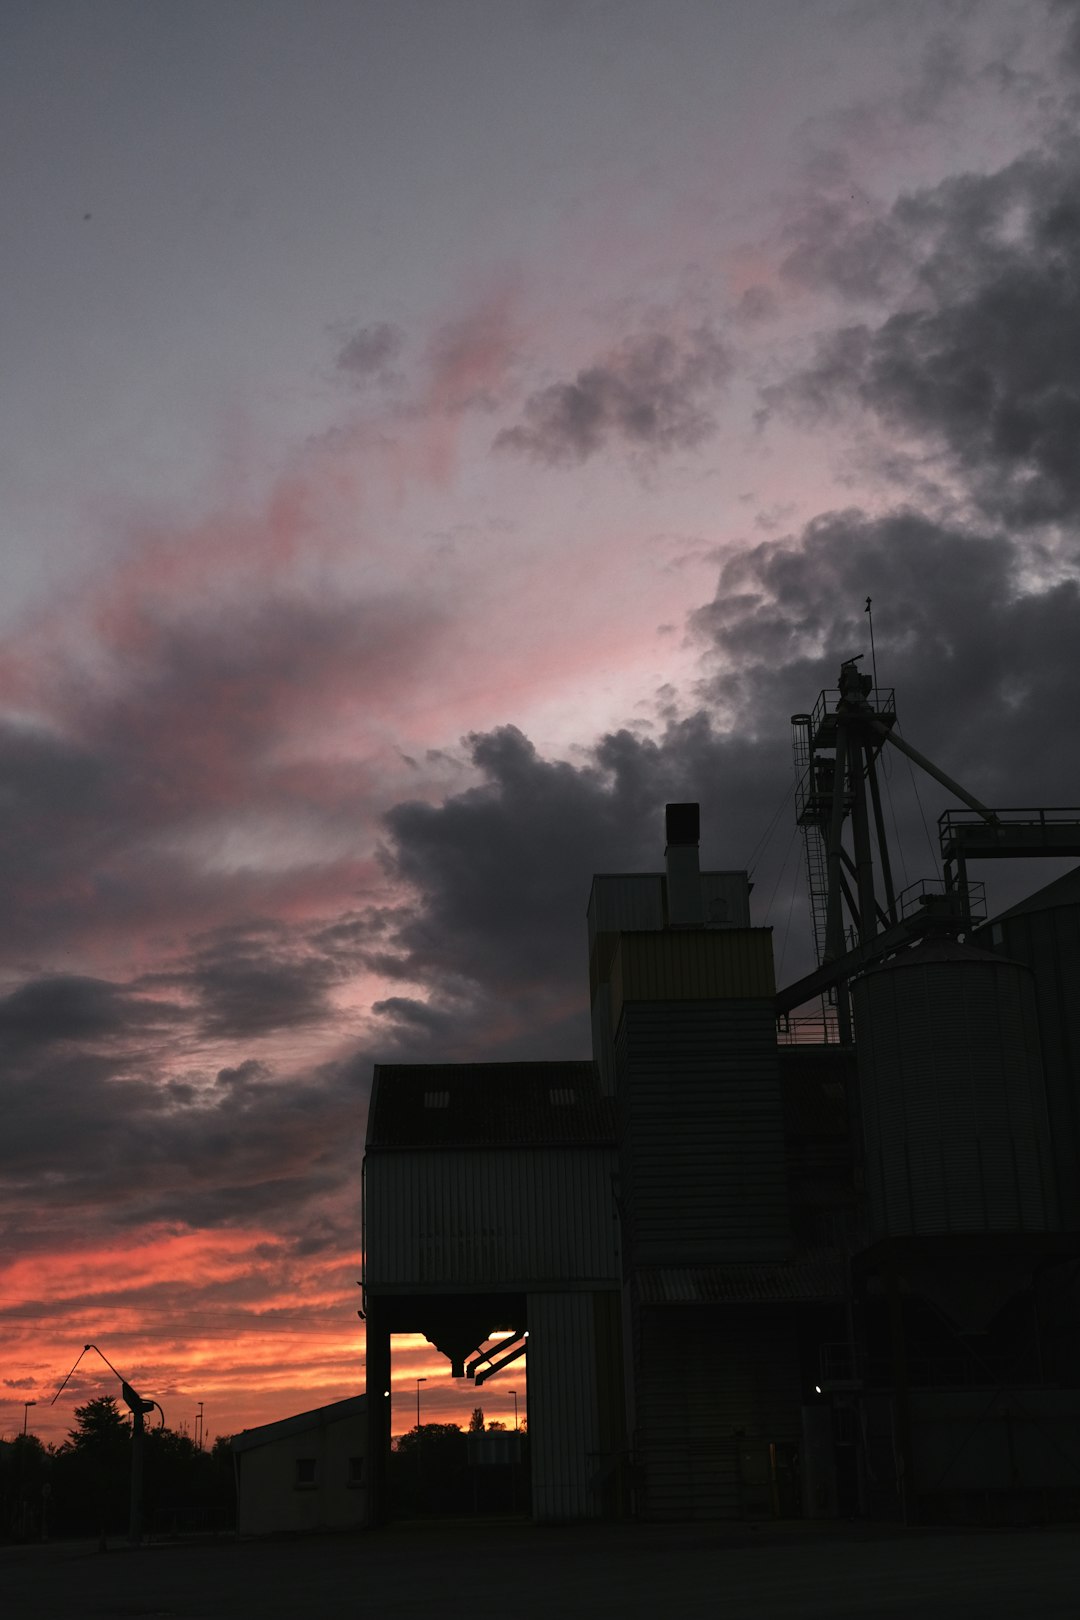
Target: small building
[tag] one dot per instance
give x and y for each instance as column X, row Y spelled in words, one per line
column 303, row 1473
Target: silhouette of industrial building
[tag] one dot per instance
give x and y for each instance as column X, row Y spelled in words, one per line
column 758, row 1266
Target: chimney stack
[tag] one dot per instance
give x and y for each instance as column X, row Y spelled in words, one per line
column 684, row 902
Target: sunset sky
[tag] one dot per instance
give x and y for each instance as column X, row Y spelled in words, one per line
column 436, row 433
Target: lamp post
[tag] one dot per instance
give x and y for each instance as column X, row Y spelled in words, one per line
column 26, row 1407
column 419, row 1381
column 513, row 1392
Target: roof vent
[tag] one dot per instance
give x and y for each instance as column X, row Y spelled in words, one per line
column 436, row 1099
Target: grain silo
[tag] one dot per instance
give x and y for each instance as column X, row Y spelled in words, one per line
column 953, row 1098
column 1043, row 932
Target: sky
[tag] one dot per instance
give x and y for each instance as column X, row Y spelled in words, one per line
column 432, row 437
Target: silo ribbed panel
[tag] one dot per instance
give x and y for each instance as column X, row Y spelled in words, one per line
column 954, row 1110
column 1046, row 938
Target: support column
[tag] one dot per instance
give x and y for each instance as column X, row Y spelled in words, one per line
column 834, row 925
column 864, row 863
column 378, row 1413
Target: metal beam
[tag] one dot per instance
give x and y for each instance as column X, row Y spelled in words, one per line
column 879, row 827
column 497, row 1366
column 478, row 1361
column 844, row 967
column 932, row 770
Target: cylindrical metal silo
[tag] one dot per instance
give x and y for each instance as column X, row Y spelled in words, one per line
column 952, row 1092
column 1043, row 932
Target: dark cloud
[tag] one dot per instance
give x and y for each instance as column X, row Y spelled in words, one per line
column 407, row 1011
column 1067, row 12
column 652, row 394
column 977, row 361
column 369, row 352
column 112, row 1137
column 974, row 654
column 502, row 871
column 69, row 1008
column 252, row 981
column 249, row 1073
column 116, row 806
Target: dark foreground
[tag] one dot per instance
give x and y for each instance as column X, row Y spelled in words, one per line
column 516, row 1569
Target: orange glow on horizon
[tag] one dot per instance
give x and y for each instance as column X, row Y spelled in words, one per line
column 231, row 1318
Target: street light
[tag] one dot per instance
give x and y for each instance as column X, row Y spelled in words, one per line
column 25, row 1408
column 137, row 1407
column 419, row 1381
column 513, row 1392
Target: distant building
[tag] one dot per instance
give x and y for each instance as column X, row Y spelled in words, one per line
column 303, row 1473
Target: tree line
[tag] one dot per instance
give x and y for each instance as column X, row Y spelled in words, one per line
column 82, row 1487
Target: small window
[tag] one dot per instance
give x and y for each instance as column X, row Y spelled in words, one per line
column 305, row 1473
column 436, row 1099
column 562, row 1096
column 356, row 1470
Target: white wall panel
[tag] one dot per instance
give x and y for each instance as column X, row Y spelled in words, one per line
column 563, row 1422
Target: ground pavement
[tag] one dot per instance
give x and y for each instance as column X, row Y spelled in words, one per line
column 523, row 1572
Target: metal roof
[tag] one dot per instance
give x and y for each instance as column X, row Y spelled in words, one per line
column 817, row 1275
column 456, row 1105
column 299, row 1423
column 1063, row 891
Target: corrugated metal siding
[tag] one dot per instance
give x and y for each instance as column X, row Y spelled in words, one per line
column 621, row 900
column 564, row 1429
column 1049, row 943
column 701, row 1146
column 713, row 1380
column 637, row 903
column 603, row 1039
column 498, row 1219
column 818, row 1276
column 692, row 964
column 954, row 1111
column 823, row 1144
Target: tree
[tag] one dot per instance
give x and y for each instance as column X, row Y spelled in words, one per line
column 476, row 1422
column 433, row 1437
column 92, row 1470
column 24, row 1471
column 100, row 1427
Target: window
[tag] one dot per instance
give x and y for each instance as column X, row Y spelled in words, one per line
column 305, row 1473
column 356, row 1470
